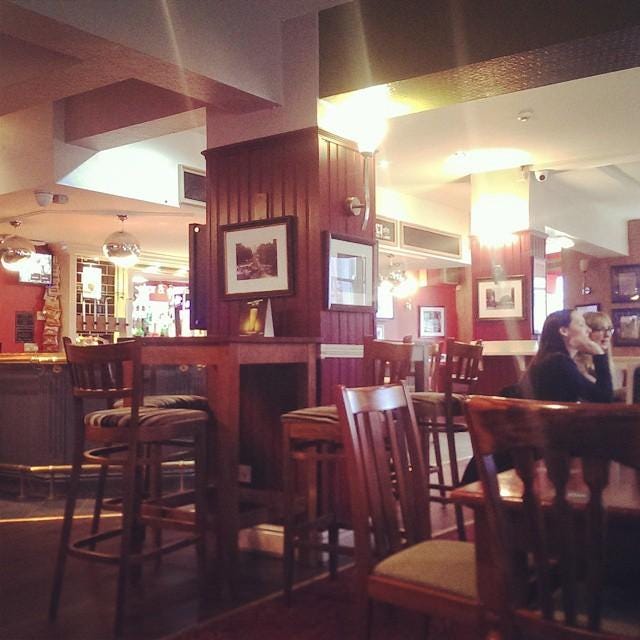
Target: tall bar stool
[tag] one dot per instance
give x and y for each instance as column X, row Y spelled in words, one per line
column 441, row 412
column 131, row 437
column 312, row 440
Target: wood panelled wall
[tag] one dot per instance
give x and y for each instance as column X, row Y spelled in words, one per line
column 307, row 174
column 517, row 260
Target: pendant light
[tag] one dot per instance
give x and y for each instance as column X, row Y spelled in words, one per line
column 15, row 251
column 122, row 248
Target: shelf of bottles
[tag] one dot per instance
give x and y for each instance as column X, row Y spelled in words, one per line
column 97, row 300
column 160, row 309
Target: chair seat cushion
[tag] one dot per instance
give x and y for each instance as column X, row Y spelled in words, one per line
column 426, row 401
column 326, row 413
column 150, row 417
column 448, row 565
column 173, row 402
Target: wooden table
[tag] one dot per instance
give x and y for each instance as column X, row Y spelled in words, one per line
column 622, row 498
column 225, row 358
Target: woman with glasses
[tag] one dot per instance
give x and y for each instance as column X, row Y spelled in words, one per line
column 601, row 329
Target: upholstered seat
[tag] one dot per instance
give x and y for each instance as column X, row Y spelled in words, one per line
column 149, row 417
column 448, row 565
column 167, row 401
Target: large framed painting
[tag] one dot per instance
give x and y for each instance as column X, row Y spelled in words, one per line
column 257, row 258
column 502, row 299
column 625, row 283
column 349, row 268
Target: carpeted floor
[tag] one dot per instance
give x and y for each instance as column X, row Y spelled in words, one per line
column 321, row 610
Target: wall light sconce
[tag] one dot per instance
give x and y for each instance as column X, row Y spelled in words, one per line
column 353, row 204
column 15, row 250
column 584, row 267
column 120, row 247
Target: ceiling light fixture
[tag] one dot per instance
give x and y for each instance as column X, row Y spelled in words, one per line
column 122, row 248
column 45, row 198
column 15, row 250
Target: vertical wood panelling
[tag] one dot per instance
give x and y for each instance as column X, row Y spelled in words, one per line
column 307, row 174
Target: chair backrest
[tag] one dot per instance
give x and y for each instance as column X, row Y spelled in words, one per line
column 426, row 366
column 594, row 433
column 387, row 478
column 386, row 360
column 108, row 371
column 459, row 371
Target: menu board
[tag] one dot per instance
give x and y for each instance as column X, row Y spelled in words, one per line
column 25, row 323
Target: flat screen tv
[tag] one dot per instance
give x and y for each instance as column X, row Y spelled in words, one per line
column 37, row 270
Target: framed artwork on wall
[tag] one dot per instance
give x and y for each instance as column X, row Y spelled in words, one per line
column 626, row 326
column 349, row 269
column 432, row 322
column 625, row 283
column 192, row 186
column 257, row 258
column 502, row 299
column 588, row 308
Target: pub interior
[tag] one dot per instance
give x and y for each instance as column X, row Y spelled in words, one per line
column 255, row 192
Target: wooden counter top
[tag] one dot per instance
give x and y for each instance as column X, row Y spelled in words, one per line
column 33, row 358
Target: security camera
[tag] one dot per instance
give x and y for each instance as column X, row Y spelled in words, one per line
column 43, row 198
column 541, row 176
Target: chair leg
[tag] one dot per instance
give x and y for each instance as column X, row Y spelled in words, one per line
column 130, row 484
column 437, row 452
column 455, row 479
column 97, row 505
column 200, row 454
column 67, row 524
column 288, row 516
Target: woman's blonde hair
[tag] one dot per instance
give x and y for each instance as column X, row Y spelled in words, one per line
column 596, row 321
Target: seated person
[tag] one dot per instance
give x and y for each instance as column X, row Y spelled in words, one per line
column 601, row 330
column 553, row 373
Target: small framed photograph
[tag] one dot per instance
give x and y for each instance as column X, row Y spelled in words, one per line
column 502, row 299
column 192, row 186
column 379, row 331
column 432, row 323
column 387, row 231
column 385, row 304
column 626, row 325
column 257, row 258
column 349, row 268
column 588, row 308
column 625, row 283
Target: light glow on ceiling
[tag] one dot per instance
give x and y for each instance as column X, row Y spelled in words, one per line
column 464, row 163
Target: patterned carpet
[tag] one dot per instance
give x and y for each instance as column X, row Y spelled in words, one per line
column 321, row 610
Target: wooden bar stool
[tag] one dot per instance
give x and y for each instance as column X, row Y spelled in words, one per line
column 312, row 441
column 441, row 412
column 132, row 438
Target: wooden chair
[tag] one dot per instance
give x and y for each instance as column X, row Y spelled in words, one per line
column 312, row 442
column 396, row 560
column 567, row 548
column 441, row 411
column 130, row 437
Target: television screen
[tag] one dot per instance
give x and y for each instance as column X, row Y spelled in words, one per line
column 37, row 270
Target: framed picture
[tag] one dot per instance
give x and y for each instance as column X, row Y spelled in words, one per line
column 588, row 308
column 625, row 283
column 192, row 186
column 499, row 300
column 257, row 258
column 387, row 231
column 349, row 268
column 385, row 304
column 626, row 325
column 431, row 322
column 379, row 331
